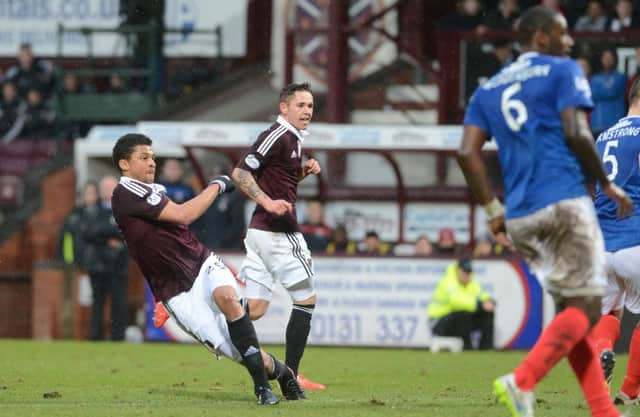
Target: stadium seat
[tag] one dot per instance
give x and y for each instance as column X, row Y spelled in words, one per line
column 14, row 165
column 441, row 343
column 30, row 148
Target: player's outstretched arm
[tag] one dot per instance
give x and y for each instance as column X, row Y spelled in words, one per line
column 472, row 164
column 247, row 183
column 580, row 140
column 189, row 211
column 475, row 172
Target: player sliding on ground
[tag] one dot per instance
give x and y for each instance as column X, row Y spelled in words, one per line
column 535, row 110
column 194, row 285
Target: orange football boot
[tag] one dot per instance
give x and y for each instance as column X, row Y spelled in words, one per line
column 310, row 385
column 160, row 315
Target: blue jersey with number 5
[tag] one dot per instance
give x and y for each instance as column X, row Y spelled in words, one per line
column 619, row 149
column 520, row 107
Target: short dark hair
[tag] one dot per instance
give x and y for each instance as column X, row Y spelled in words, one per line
column 291, row 89
column 124, row 146
column 372, row 233
column 535, row 19
column 465, row 264
column 613, row 53
column 634, row 92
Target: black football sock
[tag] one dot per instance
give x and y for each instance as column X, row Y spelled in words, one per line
column 245, row 304
column 297, row 333
column 243, row 337
column 278, row 368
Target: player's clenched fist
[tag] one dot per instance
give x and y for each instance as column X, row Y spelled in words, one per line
column 224, row 182
column 278, row 207
column 311, row 167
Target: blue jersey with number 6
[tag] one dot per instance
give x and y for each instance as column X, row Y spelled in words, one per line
column 619, row 149
column 520, row 107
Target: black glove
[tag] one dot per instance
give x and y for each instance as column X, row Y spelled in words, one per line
column 224, row 182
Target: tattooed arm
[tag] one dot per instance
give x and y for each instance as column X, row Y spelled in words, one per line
column 247, row 183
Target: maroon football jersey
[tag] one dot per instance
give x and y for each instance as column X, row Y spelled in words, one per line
column 168, row 254
column 275, row 161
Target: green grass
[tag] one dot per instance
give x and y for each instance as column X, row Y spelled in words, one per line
column 107, row 379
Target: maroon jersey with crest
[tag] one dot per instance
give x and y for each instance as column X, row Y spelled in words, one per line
column 275, row 161
column 168, row 254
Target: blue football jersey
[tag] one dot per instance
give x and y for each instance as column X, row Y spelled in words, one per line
column 520, row 107
column 619, row 149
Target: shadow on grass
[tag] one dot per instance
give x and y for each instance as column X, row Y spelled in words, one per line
column 204, row 395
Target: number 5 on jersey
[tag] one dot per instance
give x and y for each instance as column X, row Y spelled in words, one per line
column 514, row 111
column 610, row 158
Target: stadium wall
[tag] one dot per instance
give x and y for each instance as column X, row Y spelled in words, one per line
column 382, row 302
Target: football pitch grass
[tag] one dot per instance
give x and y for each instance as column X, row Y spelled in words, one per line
column 109, row 379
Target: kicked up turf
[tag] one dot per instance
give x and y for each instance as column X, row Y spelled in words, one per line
column 51, row 379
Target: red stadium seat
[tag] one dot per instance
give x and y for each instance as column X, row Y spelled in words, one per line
column 14, row 165
column 27, row 148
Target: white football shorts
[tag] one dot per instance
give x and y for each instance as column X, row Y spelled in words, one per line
column 563, row 245
column 623, row 280
column 197, row 313
column 272, row 257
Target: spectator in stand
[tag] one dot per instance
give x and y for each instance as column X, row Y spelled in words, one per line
column 30, row 72
column 483, row 247
column 10, row 107
column 117, row 84
column 372, row 245
column 71, row 84
column 607, row 89
column 635, row 75
column 502, row 52
column 555, row 5
column 315, row 231
column 446, row 244
column 106, row 260
column 505, row 17
column 467, row 17
column 625, row 17
column 222, row 226
column 594, row 19
column 173, row 179
column 460, row 306
column 423, row 246
column 71, row 243
column 340, row 243
column 38, row 118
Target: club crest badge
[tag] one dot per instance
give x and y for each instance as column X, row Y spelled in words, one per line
column 154, row 199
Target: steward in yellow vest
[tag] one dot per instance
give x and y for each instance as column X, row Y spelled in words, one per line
column 460, row 306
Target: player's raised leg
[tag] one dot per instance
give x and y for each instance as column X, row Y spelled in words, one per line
column 244, row 338
column 605, row 334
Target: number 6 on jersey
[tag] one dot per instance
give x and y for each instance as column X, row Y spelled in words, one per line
column 508, row 104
